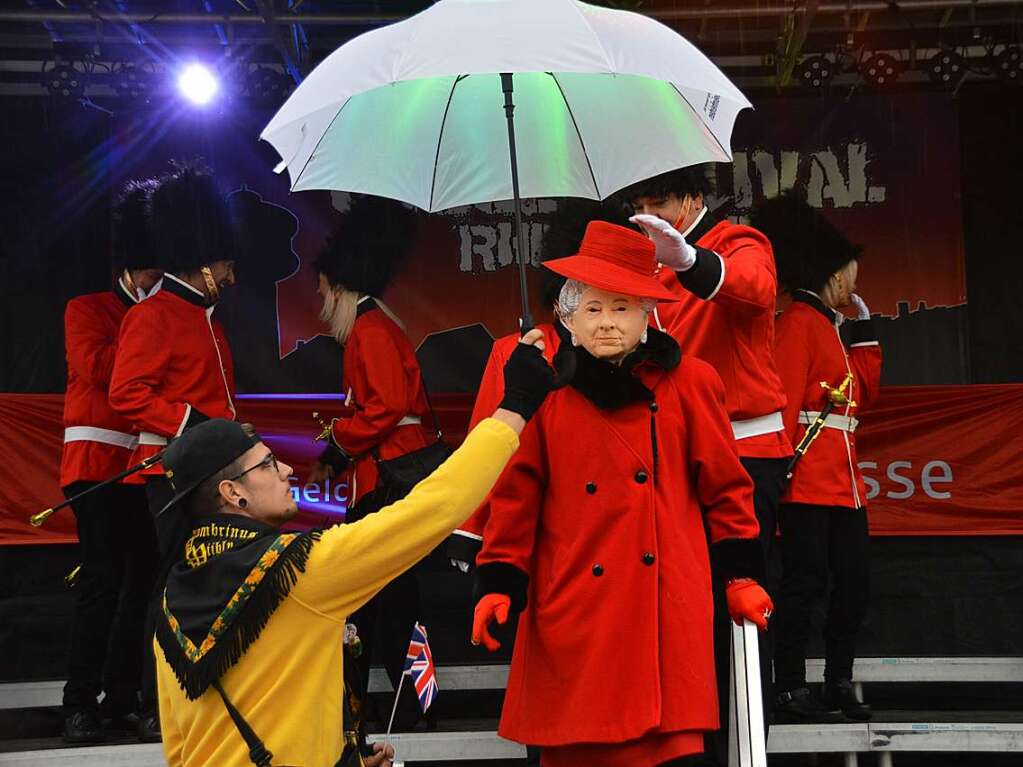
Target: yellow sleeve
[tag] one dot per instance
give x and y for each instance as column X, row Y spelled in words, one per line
column 173, row 743
column 353, row 562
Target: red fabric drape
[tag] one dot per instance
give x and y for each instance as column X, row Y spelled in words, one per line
column 938, row 460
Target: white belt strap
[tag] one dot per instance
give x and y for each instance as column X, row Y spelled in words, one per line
column 833, row 421
column 754, row 427
column 148, row 438
column 410, row 420
column 96, row 434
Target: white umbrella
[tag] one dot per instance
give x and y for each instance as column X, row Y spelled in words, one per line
column 413, row 111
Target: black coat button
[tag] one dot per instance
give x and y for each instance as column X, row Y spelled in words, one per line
column 598, row 570
column 641, row 477
column 653, row 407
column 591, row 487
column 648, row 558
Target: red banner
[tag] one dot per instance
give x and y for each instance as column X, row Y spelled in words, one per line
column 938, row 460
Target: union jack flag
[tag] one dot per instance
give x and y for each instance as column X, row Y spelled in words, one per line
column 419, row 666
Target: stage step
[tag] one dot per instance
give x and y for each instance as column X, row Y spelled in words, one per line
column 898, row 733
column 495, row 676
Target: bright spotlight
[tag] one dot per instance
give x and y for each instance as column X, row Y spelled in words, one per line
column 197, row 84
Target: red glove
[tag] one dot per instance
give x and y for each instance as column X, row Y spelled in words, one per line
column 747, row 599
column 489, row 608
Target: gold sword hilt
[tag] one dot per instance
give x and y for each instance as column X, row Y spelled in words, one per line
column 72, row 577
column 837, row 395
column 324, row 435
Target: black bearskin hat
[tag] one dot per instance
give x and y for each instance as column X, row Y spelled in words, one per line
column 374, row 236
column 191, row 223
column 808, row 248
column 693, row 180
column 131, row 245
column 565, row 230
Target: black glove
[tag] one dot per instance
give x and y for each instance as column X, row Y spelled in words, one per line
column 335, row 458
column 527, row 379
column 195, row 417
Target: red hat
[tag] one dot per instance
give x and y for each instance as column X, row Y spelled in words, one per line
column 615, row 259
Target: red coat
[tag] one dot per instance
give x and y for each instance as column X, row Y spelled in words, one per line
column 810, row 350
column 384, row 386
column 172, row 356
column 597, row 524
column 725, row 316
column 466, row 540
column 97, row 441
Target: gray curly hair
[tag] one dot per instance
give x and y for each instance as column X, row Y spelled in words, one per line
column 572, row 294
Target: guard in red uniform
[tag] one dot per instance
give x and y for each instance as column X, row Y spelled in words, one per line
column 391, row 414
column 596, row 531
column 564, row 232
column 116, row 539
column 723, row 276
column 173, row 367
column 823, row 515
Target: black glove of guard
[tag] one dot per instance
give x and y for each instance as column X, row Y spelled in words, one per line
column 335, row 458
column 527, row 380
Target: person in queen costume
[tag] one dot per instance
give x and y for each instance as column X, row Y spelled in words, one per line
column 596, row 531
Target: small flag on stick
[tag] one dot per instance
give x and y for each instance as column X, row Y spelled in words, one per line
column 419, row 666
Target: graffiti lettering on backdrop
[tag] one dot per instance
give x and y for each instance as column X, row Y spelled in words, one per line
column 832, row 177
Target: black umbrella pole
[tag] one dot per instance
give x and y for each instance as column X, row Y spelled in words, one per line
column 520, row 239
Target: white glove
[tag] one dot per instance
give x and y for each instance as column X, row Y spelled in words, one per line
column 460, row 564
column 672, row 249
column 862, row 312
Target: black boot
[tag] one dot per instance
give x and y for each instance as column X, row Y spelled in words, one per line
column 840, row 695
column 149, row 729
column 83, row 727
column 799, row 707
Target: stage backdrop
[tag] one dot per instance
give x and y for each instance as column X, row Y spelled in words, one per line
column 884, row 167
column 938, row 460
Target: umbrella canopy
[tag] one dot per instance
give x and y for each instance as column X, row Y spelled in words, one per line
column 413, row 111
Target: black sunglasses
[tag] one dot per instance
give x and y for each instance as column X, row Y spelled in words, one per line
column 269, row 460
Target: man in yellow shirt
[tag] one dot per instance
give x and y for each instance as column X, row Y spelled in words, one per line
column 253, row 619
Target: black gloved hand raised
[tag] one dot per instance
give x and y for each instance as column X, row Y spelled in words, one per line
column 335, row 458
column 527, row 380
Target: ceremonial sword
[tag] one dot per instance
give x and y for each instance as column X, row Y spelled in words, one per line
column 836, row 398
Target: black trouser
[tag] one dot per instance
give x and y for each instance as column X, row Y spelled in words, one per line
column 171, row 531
column 117, row 546
column 385, row 626
column 818, row 542
column 768, row 476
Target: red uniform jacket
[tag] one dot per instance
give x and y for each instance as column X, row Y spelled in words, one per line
column 97, row 441
column 810, row 350
column 465, row 542
column 172, row 356
column 383, row 384
column 597, row 528
column 725, row 316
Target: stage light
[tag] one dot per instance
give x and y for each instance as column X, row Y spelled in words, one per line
column 65, row 82
column 133, row 81
column 1008, row 65
column 880, row 70
column 815, row 72
column 197, row 84
column 268, row 85
column 946, row 68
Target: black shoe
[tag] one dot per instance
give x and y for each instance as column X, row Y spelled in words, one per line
column 840, row 695
column 83, row 727
column 149, row 729
column 799, row 707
